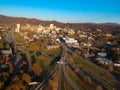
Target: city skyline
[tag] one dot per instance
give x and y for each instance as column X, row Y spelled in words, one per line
column 79, row 11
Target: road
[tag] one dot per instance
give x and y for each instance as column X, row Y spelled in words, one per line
column 24, row 57
column 63, row 67
column 18, row 57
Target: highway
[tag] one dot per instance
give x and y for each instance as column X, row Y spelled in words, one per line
column 18, row 57
column 63, row 67
column 23, row 56
column 60, row 71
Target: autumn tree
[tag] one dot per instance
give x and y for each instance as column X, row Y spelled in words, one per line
column 26, row 78
column 88, row 79
column 16, row 84
column 1, row 85
column 36, row 69
column 33, row 47
column 99, row 87
column 43, row 42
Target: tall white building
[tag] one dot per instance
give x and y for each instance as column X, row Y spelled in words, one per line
column 17, row 28
column 39, row 29
column 51, row 26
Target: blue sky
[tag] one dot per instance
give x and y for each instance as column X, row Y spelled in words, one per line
column 78, row 11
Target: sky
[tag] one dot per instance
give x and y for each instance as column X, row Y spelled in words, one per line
column 67, row 11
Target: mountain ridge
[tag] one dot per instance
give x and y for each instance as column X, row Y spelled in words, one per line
column 109, row 27
column 51, row 21
column 23, row 20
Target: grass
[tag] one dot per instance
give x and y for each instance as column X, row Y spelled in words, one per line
column 19, row 39
column 44, row 65
column 1, row 44
column 84, row 64
column 53, row 52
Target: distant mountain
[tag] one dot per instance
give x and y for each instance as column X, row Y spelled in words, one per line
column 106, row 27
column 111, row 24
column 23, row 20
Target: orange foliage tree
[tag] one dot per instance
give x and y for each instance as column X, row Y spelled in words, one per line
column 36, row 69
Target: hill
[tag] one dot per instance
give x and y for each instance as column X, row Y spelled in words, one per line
column 23, row 20
column 107, row 27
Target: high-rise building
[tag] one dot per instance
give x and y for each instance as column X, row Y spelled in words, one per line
column 39, row 28
column 17, row 28
column 51, row 26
